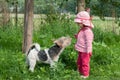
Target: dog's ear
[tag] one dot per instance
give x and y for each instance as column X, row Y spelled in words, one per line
column 58, row 42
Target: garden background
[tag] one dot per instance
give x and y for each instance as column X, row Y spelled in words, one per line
column 51, row 20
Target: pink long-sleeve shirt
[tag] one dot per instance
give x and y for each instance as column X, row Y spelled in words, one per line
column 84, row 40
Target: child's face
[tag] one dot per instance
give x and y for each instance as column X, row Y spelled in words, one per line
column 80, row 24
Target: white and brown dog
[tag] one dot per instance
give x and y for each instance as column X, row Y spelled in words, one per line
column 49, row 55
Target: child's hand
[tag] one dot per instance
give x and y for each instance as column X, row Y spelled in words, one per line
column 75, row 36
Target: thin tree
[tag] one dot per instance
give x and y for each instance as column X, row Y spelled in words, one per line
column 16, row 12
column 5, row 13
column 28, row 25
column 80, row 5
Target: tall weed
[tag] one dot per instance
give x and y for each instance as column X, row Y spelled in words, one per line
column 11, row 37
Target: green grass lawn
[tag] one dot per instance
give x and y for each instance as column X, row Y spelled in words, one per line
column 105, row 60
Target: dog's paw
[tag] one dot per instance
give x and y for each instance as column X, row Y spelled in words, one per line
column 31, row 70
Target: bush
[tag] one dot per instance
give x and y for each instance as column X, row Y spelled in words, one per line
column 106, row 37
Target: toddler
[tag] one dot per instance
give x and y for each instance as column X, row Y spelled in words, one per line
column 84, row 42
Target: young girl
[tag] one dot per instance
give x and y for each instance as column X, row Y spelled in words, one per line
column 84, row 43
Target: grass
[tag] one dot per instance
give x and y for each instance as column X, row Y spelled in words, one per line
column 105, row 60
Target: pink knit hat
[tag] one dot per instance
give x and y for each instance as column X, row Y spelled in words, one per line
column 84, row 18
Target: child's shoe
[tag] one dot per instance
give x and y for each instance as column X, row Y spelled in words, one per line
column 84, row 76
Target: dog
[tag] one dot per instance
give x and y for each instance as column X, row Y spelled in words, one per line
column 49, row 55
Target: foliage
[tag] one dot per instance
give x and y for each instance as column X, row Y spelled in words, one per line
column 106, row 37
column 101, row 8
column 44, row 6
column 11, row 35
column 105, row 60
column 106, row 8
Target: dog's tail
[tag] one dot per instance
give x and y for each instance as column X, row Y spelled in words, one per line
column 35, row 46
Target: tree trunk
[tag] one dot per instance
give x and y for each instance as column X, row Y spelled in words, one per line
column 80, row 5
column 16, row 13
column 5, row 12
column 28, row 25
column 113, row 18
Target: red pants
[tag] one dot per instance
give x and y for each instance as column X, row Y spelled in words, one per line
column 83, row 63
